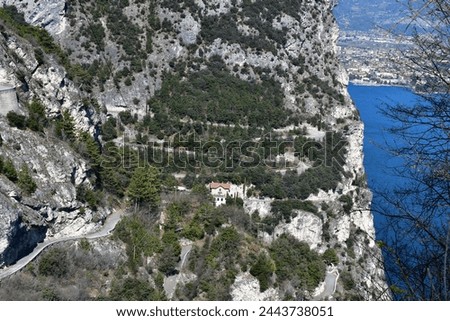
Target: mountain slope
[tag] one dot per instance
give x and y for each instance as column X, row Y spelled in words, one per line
column 239, row 91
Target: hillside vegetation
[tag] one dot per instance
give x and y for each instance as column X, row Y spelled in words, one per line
column 160, row 98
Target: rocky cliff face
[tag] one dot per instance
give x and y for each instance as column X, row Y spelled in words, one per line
column 128, row 50
column 52, row 210
column 50, row 14
column 46, row 81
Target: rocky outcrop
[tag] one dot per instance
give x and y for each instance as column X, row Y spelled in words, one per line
column 189, row 29
column 47, row 82
column 259, row 205
column 52, row 210
column 302, row 59
column 246, row 288
column 305, row 227
column 49, row 14
column 20, row 229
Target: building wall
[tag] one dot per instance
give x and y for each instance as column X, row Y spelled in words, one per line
column 220, row 194
column 238, row 191
column 8, row 100
column 219, row 191
column 220, row 200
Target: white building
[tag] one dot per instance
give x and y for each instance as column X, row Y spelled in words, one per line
column 8, row 99
column 220, row 191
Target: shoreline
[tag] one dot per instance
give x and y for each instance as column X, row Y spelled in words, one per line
column 375, row 84
column 409, row 88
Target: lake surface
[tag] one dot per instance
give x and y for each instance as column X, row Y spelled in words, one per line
column 378, row 162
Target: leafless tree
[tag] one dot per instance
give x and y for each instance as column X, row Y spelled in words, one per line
column 417, row 213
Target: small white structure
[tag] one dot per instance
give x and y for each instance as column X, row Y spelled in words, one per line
column 8, row 99
column 220, row 192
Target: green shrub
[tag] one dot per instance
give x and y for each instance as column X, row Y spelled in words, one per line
column 65, row 127
column 50, row 294
column 189, row 180
column 200, row 190
column 235, row 201
column 330, row 257
column 37, row 120
column 168, row 259
column 347, row 203
column 16, row 120
column 96, row 34
column 54, row 263
column 39, row 55
column 131, row 289
column 194, row 231
column 90, row 148
column 85, row 245
column 89, row 196
column 226, row 245
column 25, row 181
column 9, row 170
column 126, row 118
column 347, row 280
column 145, row 186
column 139, row 241
column 215, row 95
column 263, row 269
column 296, row 263
column 109, row 131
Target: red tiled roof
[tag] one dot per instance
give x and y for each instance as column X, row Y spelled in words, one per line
column 214, row 185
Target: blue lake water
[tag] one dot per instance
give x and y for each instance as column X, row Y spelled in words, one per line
column 378, row 162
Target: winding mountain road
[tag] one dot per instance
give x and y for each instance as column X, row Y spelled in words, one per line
column 109, row 225
column 330, row 282
column 329, row 285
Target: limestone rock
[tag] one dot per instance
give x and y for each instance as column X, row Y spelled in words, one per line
column 45, row 13
column 260, row 205
column 53, row 209
column 189, row 30
column 246, row 288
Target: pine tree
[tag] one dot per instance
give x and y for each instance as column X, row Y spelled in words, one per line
column 37, row 119
column 91, row 149
column 65, row 127
column 263, row 270
column 9, row 170
column 25, row 181
column 145, row 187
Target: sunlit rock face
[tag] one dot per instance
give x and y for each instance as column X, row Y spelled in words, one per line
column 306, row 50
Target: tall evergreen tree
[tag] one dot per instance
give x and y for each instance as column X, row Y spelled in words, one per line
column 25, row 181
column 9, row 170
column 145, row 187
column 65, row 127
